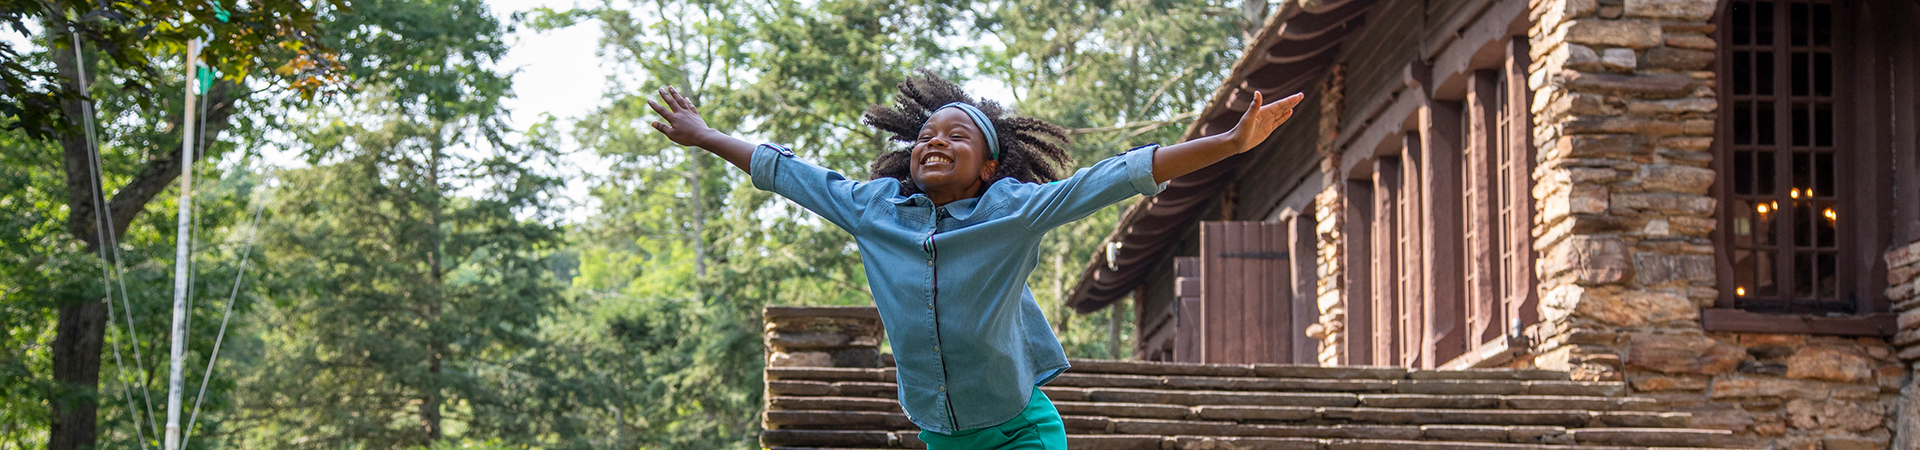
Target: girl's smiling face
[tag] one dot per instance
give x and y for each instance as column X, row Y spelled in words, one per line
column 950, row 158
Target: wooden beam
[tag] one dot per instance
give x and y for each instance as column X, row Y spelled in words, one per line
column 1481, row 45
column 1738, row 321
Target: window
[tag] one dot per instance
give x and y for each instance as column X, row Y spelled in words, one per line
column 1784, row 204
column 1497, row 174
column 1811, row 194
column 1387, row 269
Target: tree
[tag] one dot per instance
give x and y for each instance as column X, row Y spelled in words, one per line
column 43, row 95
column 410, row 262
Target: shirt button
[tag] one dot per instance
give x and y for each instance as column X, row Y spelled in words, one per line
column 936, row 349
column 943, row 388
column 929, row 263
column 929, row 306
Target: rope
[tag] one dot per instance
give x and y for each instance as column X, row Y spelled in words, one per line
column 102, row 221
column 245, row 255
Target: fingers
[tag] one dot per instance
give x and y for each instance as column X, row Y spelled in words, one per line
column 661, row 127
column 682, row 100
column 1290, row 101
column 657, row 109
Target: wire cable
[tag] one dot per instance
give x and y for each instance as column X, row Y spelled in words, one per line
column 101, row 243
column 245, row 255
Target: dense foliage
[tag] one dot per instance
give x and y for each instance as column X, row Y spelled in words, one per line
column 412, row 285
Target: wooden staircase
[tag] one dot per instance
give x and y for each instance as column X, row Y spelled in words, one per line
column 1145, row 405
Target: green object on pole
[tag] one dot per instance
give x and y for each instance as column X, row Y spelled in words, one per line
column 220, row 13
column 206, row 80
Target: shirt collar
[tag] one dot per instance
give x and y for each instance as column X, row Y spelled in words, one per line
column 961, row 209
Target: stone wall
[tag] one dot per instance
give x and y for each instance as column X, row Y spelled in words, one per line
column 1623, row 119
column 1624, row 116
column 1330, row 217
column 823, row 336
column 1903, row 275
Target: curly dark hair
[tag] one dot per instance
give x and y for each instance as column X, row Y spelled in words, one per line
column 1031, row 150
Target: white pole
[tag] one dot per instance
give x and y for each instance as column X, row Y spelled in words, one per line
column 175, row 376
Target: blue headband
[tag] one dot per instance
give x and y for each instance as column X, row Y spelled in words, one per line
column 980, row 119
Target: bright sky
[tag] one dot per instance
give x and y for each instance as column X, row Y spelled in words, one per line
column 559, row 74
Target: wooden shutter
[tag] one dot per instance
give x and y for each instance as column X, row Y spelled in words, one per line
column 1357, row 238
column 1186, row 309
column 1303, row 253
column 1245, row 293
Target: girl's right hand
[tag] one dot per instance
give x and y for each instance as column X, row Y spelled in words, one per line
column 683, row 123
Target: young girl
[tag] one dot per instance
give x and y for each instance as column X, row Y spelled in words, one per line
column 948, row 230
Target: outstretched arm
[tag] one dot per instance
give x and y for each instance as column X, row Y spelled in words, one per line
column 685, row 127
column 1172, row 161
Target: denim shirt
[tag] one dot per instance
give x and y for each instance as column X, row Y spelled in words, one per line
column 950, row 281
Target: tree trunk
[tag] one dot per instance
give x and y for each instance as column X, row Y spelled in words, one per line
column 430, row 403
column 76, row 367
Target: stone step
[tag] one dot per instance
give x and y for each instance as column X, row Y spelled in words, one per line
column 1651, row 437
column 874, row 396
column 1147, row 369
column 1252, row 421
column 788, row 440
column 830, row 381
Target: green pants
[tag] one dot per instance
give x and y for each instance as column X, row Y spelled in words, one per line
column 1036, row 428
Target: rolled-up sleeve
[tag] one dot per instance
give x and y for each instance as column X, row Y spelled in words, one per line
column 825, row 192
column 1092, row 188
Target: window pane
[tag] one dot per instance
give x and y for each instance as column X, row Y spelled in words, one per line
column 1824, row 224
column 1766, row 173
column 1802, row 66
column 1823, row 74
column 1742, row 23
column 1824, row 175
column 1798, row 23
column 1823, row 125
column 1763, row 72
column 1764, row 121
column 1802, row 126
column 1743, row 172
column 1826, row 280
column 1822, row 25
column 1743, row 268
column 1803, row 274
column 1802, row 175
column 1764, row 283
column 1742, row 73
column 1764, row 215
column 1743, row 211
column 1763, row 24
column 1802, row 224
column 1743, row 123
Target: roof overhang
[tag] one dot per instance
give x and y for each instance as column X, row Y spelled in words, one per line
column 1293, row 50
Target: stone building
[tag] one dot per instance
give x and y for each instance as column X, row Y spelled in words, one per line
column 1714, row 202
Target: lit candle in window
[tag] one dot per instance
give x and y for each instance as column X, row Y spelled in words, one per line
column 1830, row 215
column 1794, row 193
column 1762, row 208
column 1740, row 291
